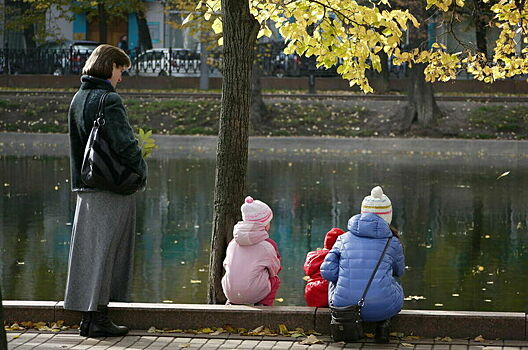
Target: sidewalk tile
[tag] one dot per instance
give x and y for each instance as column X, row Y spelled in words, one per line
column 266, row 344
column 198, row 341
column 424, row 347
column 143, row 342
column 20, row 339
column 232, row 342
column 283, row 345
column 474, row 347
column 379, row 346
column 317, row 347
column 335, row 346
column 438, row 346
column 459, row 347
column 511, row 348
column 353, row 345
column 214, row 342
column 160, row 343
column 518, row 343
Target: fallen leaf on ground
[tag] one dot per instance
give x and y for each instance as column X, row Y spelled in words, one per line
column 283, row 330
column 369, row 335
column 218, row 331
column 397, row 334
column 184, row 345
column 16, row 337
column 479, row 338
column 206, row 330
column 407, row 345
column 280, row 300
column 411, row 337
column 444, row 339
column 230, row 329
column 257, row 330
column 297, row 335
column 311, row 339
column 152, row 330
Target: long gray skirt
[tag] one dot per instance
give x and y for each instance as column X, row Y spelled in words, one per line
column 101, row 251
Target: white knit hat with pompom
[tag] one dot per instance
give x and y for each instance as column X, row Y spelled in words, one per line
column 254, row 210
column 377, row 203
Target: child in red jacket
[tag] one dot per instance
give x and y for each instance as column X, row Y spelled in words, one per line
column 316, row 291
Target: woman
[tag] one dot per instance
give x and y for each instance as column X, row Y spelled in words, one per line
column 102, row 243
column 351, row 262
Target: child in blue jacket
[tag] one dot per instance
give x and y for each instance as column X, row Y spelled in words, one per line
column 350, row 263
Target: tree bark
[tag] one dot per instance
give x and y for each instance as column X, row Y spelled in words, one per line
column 145, row 41
column 480, row 33
column 103, row 22
column 240, row 34
column 259, row 111
column 3, row 341
column 421, row 106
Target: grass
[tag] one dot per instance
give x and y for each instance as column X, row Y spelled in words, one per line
column 502, row 119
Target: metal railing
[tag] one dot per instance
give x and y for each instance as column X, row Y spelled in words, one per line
column 166, row 62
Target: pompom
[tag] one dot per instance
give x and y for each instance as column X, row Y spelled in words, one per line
column 249, row 199
column 376, row 192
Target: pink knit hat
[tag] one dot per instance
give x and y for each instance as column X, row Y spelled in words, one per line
column 256, row 211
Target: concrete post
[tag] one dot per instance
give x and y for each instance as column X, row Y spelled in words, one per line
column 204, row 68
column 3, row 341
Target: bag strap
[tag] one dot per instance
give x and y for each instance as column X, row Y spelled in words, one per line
column 362, row 300
column 100, row 109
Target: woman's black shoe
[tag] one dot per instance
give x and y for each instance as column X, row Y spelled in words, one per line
column 102, row 326
column 85, row 324
column 382, row 332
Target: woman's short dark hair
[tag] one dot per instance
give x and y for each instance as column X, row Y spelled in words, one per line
column 101, row 62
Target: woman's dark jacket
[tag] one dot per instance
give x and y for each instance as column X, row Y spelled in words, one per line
column 117, row 130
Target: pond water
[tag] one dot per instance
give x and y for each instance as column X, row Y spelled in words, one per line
column 464, row 231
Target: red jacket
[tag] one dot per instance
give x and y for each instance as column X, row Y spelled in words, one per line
column 316, row 290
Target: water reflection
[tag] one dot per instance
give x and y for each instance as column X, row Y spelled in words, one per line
column 464, row 231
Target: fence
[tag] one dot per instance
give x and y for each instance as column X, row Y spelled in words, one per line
column 156, row 62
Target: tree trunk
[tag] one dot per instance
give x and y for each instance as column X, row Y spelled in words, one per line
column 3, row 341
column 103, row 22
column 259, row 111
column 145, row 41
column 480, row 32
column 380, row 80
column 240, row 34
column 421, row 108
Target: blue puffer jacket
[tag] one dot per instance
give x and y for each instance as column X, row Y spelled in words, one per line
column 351, row 262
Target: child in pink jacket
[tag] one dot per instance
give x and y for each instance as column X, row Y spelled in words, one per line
column 252, row 260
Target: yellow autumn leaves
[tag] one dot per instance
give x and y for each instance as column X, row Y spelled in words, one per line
column 354, row 33
column 228, row 329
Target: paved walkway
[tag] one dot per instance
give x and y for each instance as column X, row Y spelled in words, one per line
column 141, row 340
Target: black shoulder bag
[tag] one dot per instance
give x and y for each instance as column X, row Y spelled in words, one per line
column 101, row 168
column 346, row 324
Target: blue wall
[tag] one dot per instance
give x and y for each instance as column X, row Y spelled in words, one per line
column 133, row 33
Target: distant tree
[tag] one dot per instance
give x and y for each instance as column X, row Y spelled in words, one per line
column 29, row 16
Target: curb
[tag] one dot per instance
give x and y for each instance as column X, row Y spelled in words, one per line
column 424, row 323
column 371, row 149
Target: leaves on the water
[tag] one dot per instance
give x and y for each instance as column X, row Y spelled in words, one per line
column 503, row 174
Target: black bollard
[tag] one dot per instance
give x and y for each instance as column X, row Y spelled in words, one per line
column 3, row 341
column 311, row 84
